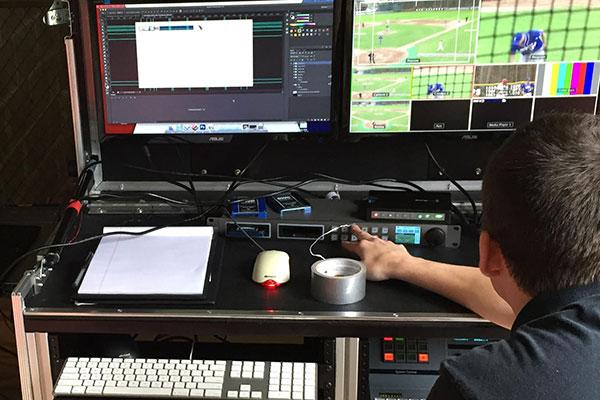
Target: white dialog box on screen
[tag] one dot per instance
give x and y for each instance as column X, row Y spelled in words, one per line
column 195, row 54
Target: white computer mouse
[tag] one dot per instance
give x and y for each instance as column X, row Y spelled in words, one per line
column 271, row 268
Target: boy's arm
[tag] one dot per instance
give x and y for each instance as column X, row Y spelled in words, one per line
column 464, row 285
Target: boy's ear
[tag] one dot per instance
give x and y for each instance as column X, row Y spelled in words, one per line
column 491, row 259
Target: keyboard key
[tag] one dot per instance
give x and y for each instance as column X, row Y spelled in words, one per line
column 71, row 382
column 286, row 388
column 181, row 392
column 256, row 395
column 309, row 392
column 197, row 393
column 209, row 386
column 127, row 391
column 244, row 395
column 62, row 390
column 232, row 394
column 78, row 390
column 212, row 393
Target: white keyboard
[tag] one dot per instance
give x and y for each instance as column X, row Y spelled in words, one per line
column 200, row 379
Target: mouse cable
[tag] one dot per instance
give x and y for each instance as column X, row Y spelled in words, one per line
column 454, row 182
column 323, row 236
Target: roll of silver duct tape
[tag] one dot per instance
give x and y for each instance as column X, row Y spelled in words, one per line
column 338, row 280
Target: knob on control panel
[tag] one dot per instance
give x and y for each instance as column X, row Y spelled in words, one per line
column 435, row 237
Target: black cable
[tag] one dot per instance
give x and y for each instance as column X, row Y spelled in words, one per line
column 104, row 196
column 220, row 203
column 223, row 339
column 196, row 199
column 371, row 182
column 242, row 230
column 96, row 237
column 176, row 339
column 454, row 182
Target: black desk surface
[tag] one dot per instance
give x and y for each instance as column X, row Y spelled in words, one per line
column 243, row 307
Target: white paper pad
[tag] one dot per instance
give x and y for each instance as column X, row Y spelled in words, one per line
column 169, row 261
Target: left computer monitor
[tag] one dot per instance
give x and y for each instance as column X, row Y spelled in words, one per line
column 230, row 67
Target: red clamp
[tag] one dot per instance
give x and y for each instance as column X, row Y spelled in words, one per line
column 75, row 205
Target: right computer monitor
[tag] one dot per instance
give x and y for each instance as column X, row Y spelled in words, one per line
column 479, row 65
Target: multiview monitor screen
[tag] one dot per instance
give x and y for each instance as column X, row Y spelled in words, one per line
column 230, row 67
column 459, row 65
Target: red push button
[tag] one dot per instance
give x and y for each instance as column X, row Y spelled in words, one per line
column 388, row 339
column 423, row 357
column 388, row 357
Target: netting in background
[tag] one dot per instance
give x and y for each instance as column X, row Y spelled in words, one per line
column 35, row 118
column 448, row 82
column 570, row 30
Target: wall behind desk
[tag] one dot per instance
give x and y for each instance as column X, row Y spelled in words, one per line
column 36, row 134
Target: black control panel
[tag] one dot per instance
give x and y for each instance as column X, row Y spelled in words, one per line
column 403, row 368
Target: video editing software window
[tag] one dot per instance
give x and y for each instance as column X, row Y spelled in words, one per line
column 455, row 65
column 216, row 67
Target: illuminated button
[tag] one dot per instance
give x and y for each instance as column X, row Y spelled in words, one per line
column 423, row 357
column 389, row 357
column 384, row 230
column 388, row 339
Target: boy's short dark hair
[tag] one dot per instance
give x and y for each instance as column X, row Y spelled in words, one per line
column 541, row 202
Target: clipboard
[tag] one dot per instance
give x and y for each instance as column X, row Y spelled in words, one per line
column 170, row 280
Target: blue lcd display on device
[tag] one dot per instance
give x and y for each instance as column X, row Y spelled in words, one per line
column 408, row 234
column 249, row 208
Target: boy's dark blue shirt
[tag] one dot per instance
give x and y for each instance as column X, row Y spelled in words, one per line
column 553, row 352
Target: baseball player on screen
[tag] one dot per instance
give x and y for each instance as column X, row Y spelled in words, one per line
column 436, row 91
column 531, row 45
column 527, row 88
